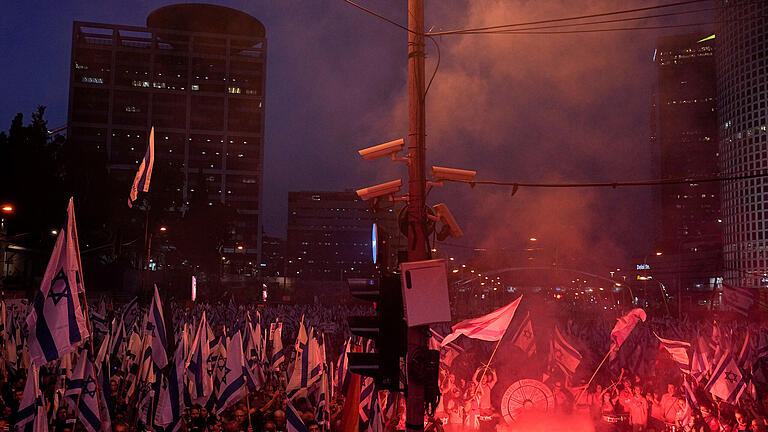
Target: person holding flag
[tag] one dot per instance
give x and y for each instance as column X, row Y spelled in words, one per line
column 491, row 327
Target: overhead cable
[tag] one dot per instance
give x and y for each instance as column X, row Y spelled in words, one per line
column 626, row 11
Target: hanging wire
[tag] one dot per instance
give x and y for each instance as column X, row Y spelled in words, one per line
column 625, row 11
column 658, row 182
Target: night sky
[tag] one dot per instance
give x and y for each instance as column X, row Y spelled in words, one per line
column 572, row 107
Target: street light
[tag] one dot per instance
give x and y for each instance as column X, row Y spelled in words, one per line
column 163, row 229
column 7, row 208
column 239, row 247
column 659, row 253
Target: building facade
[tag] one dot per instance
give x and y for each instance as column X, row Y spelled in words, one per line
column 329, row 236
column 685, row 135
column 742, row 45
column 197, row 74
column 272, row 257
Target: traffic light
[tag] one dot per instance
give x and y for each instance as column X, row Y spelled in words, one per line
column 387, row 329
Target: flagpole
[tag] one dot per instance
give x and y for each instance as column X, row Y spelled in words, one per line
column 73, row 229
column 81, row 288
column 248, row 403
column 147, row 247
column 479, row 382
column 594, row 374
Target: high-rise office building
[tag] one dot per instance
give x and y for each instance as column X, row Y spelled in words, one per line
column 742, row 69
column 272, row 257
column 197, row 74
column 685, row 136
column 329, row 236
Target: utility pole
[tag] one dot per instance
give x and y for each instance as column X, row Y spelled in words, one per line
column 417, row 217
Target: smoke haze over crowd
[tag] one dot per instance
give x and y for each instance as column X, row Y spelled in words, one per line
column 569, row 107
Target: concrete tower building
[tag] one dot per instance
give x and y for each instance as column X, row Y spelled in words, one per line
column 196, row 73
column 685, row 137
column 742, row 67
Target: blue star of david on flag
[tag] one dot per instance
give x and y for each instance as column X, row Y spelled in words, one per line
column 226, row 372
column 56, row 296
column 89, row 386
column 56, row 328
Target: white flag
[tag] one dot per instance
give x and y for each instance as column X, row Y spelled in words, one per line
column 171, row 400
column 727, row 383
column 198, row 372
column 489, row 327
column 156, row 327
column 232, row 387
column 84, row 388
column 31, row 416
column 563, row 354
column 56, row 321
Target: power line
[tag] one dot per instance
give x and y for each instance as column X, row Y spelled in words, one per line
column 382, row 17
column 626, row 11
column 526, row 32
column 658, row 182
column 396, row 24
column 615, row 20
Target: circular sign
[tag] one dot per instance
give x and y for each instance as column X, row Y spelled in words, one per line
column 527, row 395
column 374, row 242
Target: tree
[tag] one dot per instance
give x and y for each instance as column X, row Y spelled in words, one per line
column 30, row 176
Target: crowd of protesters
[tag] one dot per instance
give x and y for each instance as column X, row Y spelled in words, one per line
column 640, row 388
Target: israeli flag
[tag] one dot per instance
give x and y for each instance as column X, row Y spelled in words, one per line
column 293, row 422
column 31, row 416
column 156, row 327
column 232, row 387
column 278, row 356
column 171, row 398
column 84, row 387
column 254, row 376
column 144, row 174
column 198, row 372
column 56, row 321
column 299, row 382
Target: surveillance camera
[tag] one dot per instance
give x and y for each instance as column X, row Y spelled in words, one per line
column 440, row 173
column 450, row 227
column 387, row 188
column 382, row 150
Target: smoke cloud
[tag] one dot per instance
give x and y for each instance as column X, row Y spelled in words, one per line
column 544, row 108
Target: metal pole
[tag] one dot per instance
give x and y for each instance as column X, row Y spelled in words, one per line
column 417, row 237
